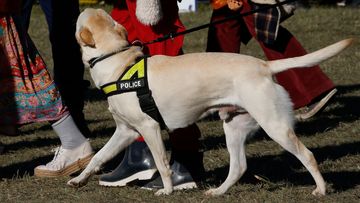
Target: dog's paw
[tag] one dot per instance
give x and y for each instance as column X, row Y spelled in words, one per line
column 77, row 182
column 214, row 192
column 163, row 192
column 318, row 192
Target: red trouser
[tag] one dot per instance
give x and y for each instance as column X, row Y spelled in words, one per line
column 303, row 85
column 184, row 139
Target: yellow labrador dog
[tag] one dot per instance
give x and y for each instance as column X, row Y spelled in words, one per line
column 188, row 87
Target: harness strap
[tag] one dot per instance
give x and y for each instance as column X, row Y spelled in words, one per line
column 135, row 79
column 148, row 106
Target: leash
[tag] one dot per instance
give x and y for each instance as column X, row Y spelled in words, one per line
column 172, row 35
column 94, row 60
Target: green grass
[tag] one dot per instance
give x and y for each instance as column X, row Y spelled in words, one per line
column 333, row 136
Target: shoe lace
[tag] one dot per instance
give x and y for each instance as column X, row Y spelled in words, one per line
column 57, row 153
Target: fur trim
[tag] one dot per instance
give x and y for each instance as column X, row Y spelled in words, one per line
column 149, row 12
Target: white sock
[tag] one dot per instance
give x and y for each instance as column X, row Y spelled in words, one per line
column 69, row 134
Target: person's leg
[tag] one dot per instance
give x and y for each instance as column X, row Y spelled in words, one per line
column 186, row 160
column 185, row 149
column 75, row 150
column 9, row 130
column 47, row 7
column 68, row 65
column 310, row 89
column 137, row 164
column 26, row 12
column 45, row 101
column 303, row 85
column 224, row 37
column 69, row 134
column 1, row 148
column 74, row 153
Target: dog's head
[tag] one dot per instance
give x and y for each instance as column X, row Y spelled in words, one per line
column 95, row 29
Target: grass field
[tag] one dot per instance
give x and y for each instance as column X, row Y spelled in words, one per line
column 333, row 136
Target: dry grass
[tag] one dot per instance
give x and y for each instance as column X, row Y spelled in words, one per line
column 333, row 136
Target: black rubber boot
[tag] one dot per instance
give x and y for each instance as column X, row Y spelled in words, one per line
column 180, row 177
column 138, row 164
column 192, row 161
column 187, row 168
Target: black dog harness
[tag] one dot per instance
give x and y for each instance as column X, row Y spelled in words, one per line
column 134, row 78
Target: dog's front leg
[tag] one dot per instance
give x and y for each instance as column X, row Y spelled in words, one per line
column 122, row 137
column 152, row 137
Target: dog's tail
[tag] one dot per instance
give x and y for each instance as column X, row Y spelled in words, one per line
column 310, row 59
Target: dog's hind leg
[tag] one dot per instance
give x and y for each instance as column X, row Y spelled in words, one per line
column 289, row 141
column 236, row 131
column 275, row 118
column 122, row 137
column 152, row 136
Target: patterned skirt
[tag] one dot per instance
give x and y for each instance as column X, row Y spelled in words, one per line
column 27, row 92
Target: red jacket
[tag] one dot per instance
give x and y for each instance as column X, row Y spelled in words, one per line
column 124, row 13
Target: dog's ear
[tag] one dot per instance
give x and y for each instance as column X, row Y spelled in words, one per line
column 87, row 37
column 121, row 30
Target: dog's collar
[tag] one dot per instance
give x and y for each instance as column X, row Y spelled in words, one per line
column 94, row 60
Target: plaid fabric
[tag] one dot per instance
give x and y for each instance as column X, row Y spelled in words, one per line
column 266, row 24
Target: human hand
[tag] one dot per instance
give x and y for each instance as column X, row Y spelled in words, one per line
column 234, row 4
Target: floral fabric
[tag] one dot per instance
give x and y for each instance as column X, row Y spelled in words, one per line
column 27, row 92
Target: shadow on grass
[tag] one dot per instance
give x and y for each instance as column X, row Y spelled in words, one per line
column 22, row 169
column 276, row 168
column 285, row 167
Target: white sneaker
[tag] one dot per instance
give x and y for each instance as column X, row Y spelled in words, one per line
column 66, row 161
